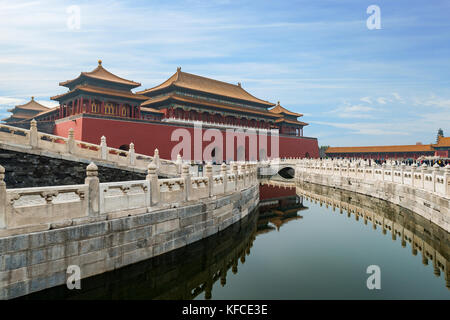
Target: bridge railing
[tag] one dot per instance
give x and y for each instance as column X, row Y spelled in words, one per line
column 92, row 152
column 34, row 209
column 433, row 179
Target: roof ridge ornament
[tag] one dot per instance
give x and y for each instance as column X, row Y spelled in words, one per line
column 32, row 98
column 278, row 103
column 178, row 69
column 239, row 85
column 99, row 62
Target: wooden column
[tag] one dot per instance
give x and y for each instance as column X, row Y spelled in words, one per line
column 102, row 110
column 89, row 107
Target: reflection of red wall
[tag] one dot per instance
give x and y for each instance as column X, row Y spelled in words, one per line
column 149, row 136
column 270, row 192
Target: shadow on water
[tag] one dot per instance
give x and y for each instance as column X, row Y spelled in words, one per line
column 192, row 272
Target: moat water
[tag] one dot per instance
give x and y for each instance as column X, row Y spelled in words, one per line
column 303, row 242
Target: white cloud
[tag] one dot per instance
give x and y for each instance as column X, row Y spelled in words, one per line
column 366, row 99
column 381, row 100
column 10, row 101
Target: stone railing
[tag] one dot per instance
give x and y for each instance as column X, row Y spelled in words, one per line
column 432, row 179
column 35, row 209
column 50, row 144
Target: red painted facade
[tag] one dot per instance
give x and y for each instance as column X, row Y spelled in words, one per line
column 148, row 136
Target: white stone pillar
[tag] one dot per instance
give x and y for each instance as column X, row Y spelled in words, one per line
column 242, row 171
column 447, row 179
column 34, row 140
column 94, row 189
column 403, row 173
column 209, row 175
column 413, row 173
column 224, row 172
column 152, row 177
column 70, row 143
column 103, row 148
column 156, row 159
column 2, row 198
column 179, row 163
column 235, row 172
column 131, row 155
column 424, row 170
column 434, row 174
column 187, row 182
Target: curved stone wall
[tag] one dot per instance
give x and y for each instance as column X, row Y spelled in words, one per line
column 37, row 261
column 429, row 205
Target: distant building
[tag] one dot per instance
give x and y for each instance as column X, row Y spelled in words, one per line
column 440, row 149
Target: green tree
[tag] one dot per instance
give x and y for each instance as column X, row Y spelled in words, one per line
column 322, row 150
column 440, row 133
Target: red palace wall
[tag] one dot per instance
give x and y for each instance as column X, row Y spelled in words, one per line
column 149, row 136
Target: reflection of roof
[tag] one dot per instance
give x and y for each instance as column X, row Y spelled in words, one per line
column 442, row 142
column 279, row 109
column 209, row 104
column 195, row 82
column 101, row 73
column 30, row 105
column 110, row 92
column 402, row 148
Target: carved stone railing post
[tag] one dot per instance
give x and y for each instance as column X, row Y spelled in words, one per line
column 103, row 148
column 447, row 179
column 34, row 141
column 152, row 177
column 224, row 173
column 209, row 175
column 156, row 159
column 413, row 173
column 424, row 170
column 434, row 174
column 179, row 163
column 403, row 172
column 242, row 171
column 70, row 146
column 94, row 189
column 234, row 170
column 383, row 168
column 2, row 198
column 187, row 182
column 131, row 155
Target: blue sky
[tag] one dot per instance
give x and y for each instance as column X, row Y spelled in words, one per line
column 355, row 86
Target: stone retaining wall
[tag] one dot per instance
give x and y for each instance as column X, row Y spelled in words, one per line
column 427, row 204
column 36, row 261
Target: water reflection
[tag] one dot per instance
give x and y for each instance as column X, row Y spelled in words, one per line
column 201, row 270
column 425, row 237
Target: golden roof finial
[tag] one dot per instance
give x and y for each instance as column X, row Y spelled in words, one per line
column 99, row 62
column 32, row 98
column 278, row 103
